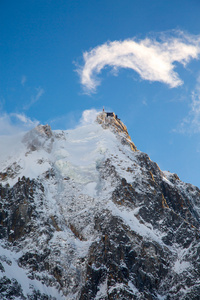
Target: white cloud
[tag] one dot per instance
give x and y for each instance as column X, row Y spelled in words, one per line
column 23, row 119
column 67, row 121
column 34, row 99
column 191, row 123
column 153, row 60
column 13, row 123
column 40, row 92
column 89, row 116
column 74, row 119
column 23, row 80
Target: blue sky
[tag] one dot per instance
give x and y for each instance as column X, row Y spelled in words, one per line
column 140, row 59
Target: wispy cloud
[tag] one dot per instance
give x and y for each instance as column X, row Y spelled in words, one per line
column 23, row 80
column 74, row 119
column 89, row 116
column 14, row 123
column 40, row 92
column 66, row 121
column 191, row 123
column 34, row 99
column 152, row 59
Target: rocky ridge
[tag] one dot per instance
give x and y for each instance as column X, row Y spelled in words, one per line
column 116, row 126
column 85, row 215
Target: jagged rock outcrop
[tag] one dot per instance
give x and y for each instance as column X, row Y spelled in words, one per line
column 39, row 137
column 85, row 215
column 115, row 125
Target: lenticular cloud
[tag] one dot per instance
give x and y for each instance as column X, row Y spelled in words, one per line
column 152, row 60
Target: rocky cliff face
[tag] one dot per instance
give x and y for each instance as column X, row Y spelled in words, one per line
column 85, row 215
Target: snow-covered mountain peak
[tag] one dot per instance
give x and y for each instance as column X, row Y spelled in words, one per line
column 85, row 215
column 75, row 153
column 44, row 130
column 39, row 137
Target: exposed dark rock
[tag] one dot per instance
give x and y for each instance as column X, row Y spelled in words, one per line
column 17, row 207
column 123, row 259
column 10, row 289
column 37, row 295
